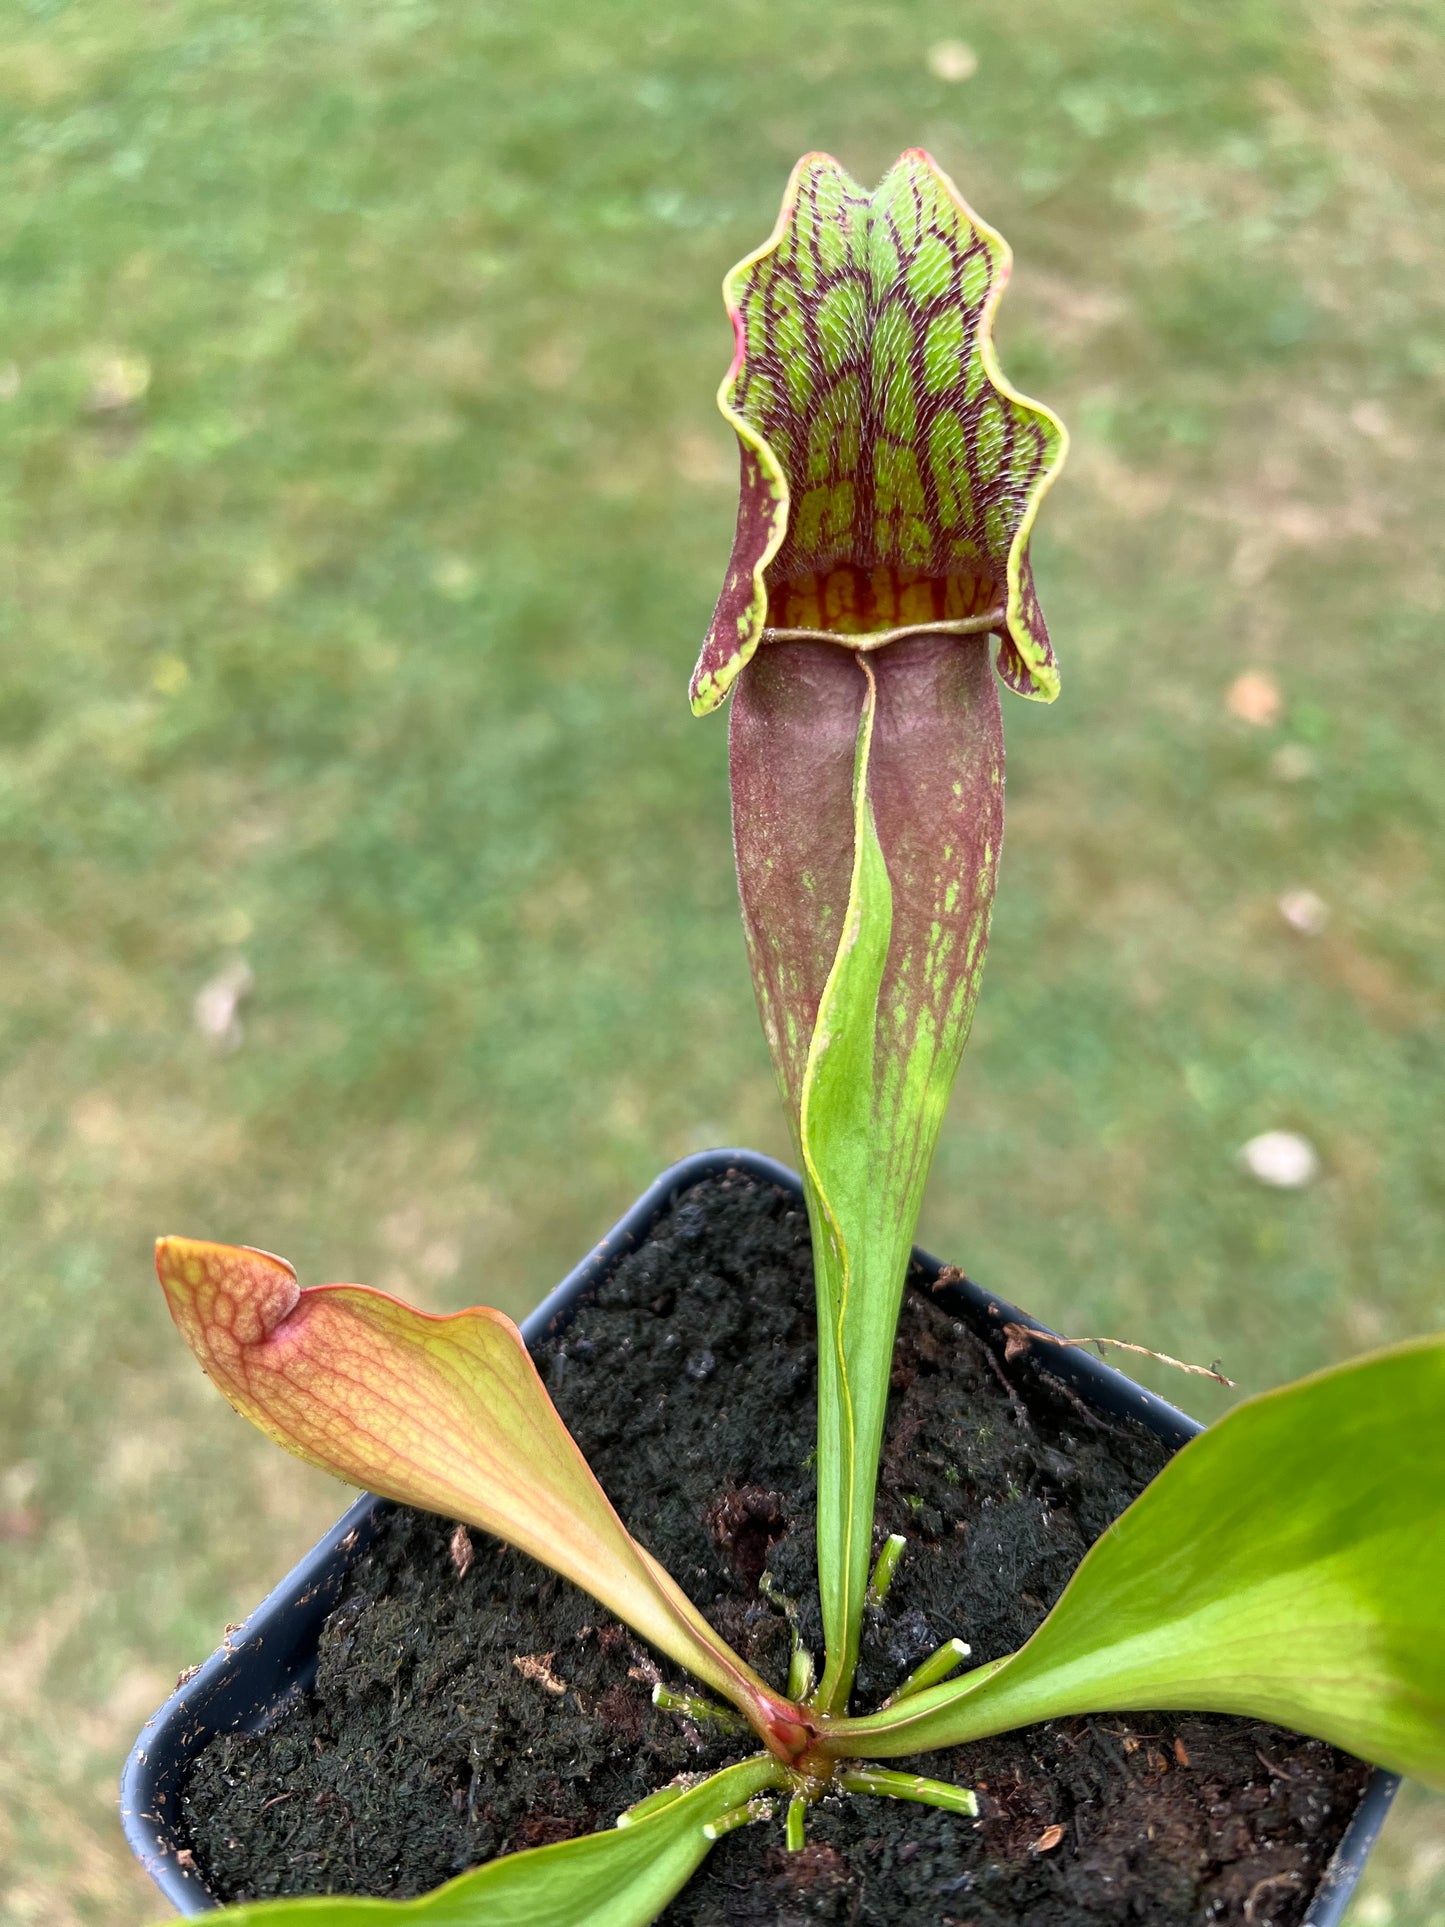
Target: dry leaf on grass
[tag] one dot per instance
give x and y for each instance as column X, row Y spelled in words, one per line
column 1255, row 699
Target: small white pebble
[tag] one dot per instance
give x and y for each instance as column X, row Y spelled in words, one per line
column 952, row 60
column 1305, row 911
column 1282, row 1159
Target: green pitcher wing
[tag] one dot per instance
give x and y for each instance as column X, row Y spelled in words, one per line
column 890, row 474
column 867, row 819
column 621, row 1878
column 446, row 1413
column 1288, row 1563
column 838, row 1136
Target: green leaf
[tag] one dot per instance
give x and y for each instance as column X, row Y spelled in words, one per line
column 621, row 1878
column 1289, row 1563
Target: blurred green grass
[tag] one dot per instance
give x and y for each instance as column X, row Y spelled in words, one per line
column 355, row 643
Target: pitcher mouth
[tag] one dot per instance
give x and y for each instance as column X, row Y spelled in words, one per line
column 866, row 605
column 860, row 642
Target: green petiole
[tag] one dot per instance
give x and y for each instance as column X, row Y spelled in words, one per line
column 936, row 1668
column 760, row 1808
column 797, row 1810
column 801, row 1673
column 908, row 1786
column 887, row 1565
column 692, row 1707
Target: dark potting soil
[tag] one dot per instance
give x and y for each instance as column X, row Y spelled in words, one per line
column 469, row 1704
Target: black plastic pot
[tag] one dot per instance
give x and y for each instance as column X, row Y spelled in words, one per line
column 240, row 1686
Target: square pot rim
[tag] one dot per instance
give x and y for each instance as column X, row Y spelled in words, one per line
column 278, row 1639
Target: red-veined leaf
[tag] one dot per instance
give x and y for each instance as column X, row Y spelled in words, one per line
column 447, row 1413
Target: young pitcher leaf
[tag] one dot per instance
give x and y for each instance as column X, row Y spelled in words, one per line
column 890, row 481
column 890, row 474
column 621, row 1878
column 446, row 1413
column 1288, row 1563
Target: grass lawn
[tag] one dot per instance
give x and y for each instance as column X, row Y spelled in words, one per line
column 363, row 503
